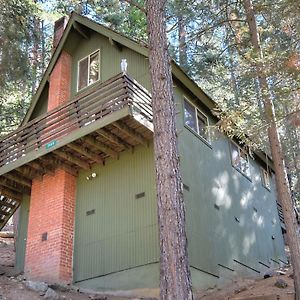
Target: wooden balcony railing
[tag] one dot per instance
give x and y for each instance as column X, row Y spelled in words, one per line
column 83, row 111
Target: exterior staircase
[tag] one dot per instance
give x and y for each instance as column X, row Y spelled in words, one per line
column 7, row 209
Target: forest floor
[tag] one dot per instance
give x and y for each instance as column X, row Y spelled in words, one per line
column 15, row 287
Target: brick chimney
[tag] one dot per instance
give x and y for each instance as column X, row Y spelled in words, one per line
column 60, row 77
column 59, row 27
column 49, row 248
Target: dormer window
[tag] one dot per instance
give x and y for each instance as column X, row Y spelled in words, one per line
column 195, row 119
column 88, row 70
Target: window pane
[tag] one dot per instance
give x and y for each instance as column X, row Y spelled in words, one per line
column 266, row 178
column 190, row 116
column 235, row 156
column 202, row 125
column 245, row 168
column 83, row 74
column 94, row 67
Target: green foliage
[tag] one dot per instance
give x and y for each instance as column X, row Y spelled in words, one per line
column 16, row 32
column 221, row 60
column 15, row 38
column 209, row 39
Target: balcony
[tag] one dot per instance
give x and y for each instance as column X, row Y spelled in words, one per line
column 101, row 122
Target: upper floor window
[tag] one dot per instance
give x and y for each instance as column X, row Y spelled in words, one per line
column 265, row 178
column 240, row 159
column 88, row 70
column 195, row 119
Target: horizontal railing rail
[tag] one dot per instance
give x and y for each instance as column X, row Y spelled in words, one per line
column 84, row 109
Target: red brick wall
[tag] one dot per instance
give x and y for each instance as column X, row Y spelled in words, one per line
column 52, row 203
column 51, row 211
column 60, row 81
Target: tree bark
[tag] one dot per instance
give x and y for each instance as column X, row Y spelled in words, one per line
column 183, row 60
column 175, row 282
column 276, row 150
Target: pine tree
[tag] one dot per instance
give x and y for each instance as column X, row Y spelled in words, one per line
column 282, row 184
column 175, row 281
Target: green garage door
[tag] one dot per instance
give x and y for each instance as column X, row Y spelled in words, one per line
column 116, row 226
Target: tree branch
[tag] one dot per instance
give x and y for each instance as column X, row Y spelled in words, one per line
column 136, row 5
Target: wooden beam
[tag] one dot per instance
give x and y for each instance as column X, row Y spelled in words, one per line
column 46, row 165
column 130, row 132
column 93, row 142
column 24, row 174
column 72, row 159
column 73, row 171
column 59, row 163
column 85, row 152
column 115, row 44
column 81, row 30
column 17, row 188
column 30, row 172
column 37, row 167
column 10, row 194
column 113, row 138
column 19, row 179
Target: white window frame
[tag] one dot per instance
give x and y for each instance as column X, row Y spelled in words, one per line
column 202, row 114
column 265, row 174
column 88, row 79
column 238, row 167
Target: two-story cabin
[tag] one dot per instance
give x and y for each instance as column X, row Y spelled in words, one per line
column 81, row 168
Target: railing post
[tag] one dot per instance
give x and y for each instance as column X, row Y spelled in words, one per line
column 37, row 135
column 77, row 111
column 2, row 159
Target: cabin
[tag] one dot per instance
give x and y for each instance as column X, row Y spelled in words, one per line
column 80, row 168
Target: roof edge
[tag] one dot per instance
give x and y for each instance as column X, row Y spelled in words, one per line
column 177, row 71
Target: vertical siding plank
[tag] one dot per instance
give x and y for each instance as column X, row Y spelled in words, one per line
column 122, row 233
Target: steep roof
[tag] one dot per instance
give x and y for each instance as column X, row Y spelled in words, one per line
column 121, row 39
column 178, row 73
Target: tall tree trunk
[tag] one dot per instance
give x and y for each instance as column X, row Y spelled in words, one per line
column 232, row 68
column 183, row 60
column 175, row 282
column 276, row 150
column 35, row 52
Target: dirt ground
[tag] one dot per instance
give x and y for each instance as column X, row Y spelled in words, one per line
column 12, row 285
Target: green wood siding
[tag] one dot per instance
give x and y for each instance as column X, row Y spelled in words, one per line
column 22, row 234
column 114, row 230
column 42, row 105
column 228, row 216
column 110, row 60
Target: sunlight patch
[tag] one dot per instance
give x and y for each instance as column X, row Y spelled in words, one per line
column 248, row 241
column 220, row 190
column 246, row 199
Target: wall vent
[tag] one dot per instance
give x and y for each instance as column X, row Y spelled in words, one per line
column 44, row 236
column 216, row 206
column 90, row 212
column 186, row 187
column 140, row 195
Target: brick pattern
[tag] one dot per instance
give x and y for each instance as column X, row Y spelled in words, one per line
column 49, row 249
column 60, row 81
column 51, row 211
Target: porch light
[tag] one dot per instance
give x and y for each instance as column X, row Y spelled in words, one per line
column 90, row 177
